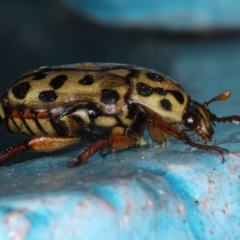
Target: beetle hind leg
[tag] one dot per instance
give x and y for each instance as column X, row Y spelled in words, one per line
column 43, row 144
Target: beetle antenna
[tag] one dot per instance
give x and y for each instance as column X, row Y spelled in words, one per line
column 221, row 97
column 232, row 119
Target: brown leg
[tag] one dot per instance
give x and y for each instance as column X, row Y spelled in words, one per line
column 113, row 142
column 37, row 144
column 183, row 136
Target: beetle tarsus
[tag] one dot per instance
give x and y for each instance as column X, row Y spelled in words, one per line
column 74, row 163
column 207, row 147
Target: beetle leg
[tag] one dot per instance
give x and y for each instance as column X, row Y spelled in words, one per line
column 113, row 142
column 37, row 144
column 227, row 119
column 183, row 136
column 12, row 152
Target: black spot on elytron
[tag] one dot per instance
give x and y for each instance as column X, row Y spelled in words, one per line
column 109, row 96
column 161, row 91
column 155, row 77
column 20, row 90
column 40, row 76
column 178, row 96
column 87, row 80
column 144, row 90
column 166, row 104
column 58, row 81
column 47, row 96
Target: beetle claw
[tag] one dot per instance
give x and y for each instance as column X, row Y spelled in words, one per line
column 73, row 163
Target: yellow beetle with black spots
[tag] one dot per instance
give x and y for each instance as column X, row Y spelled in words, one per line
column 109, row 104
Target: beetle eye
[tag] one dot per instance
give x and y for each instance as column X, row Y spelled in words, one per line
column 190, row 120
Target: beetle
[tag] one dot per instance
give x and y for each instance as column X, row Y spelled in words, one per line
column 109, row 104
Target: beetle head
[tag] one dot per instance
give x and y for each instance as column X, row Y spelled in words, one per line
column 199, row 119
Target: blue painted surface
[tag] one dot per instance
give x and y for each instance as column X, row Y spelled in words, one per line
column 142, row 193
column 176, row 15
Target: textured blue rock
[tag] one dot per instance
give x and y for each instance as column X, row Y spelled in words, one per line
column 174, row 15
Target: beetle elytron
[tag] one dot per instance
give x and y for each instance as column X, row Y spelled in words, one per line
column 108, row 103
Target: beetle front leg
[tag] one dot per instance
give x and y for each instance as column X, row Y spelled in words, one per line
column 113, row 142
column 183, row 136
column 37, row 144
